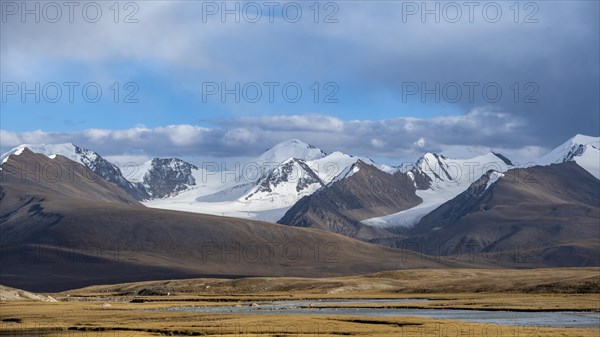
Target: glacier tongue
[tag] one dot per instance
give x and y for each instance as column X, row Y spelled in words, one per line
column 447, row 179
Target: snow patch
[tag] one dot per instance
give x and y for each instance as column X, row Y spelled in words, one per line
column 347, row 173
column 494, row 176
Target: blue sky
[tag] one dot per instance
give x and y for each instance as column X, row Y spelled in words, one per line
column 546, row 64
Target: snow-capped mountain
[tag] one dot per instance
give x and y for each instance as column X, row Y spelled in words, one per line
column 165, row 177
column 266, row 187
column 554, row 212
column 293, row 148
column 89, row 159
column 584, row 150
column 359, row 192
column 296, row 177
column 157, row 178
column 333, row 166
column 270, row 161
column 439, row 179
column 286, row 184
column 443, row 171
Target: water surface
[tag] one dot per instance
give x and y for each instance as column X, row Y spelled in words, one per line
column 556, row 319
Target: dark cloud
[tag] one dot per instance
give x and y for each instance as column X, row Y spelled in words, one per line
column 371, row 52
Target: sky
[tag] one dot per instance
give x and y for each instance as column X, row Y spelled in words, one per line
column 390, row 80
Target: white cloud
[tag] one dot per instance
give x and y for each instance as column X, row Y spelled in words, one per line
column 309, row 122
column 480, row 130
column 239, row 136
column 373, row 51
column 420, row 143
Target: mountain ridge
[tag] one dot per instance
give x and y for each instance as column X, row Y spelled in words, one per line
column 553, row 210
column 62, row 234
column 266, row 190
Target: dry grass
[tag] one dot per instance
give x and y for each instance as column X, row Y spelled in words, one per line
column 419, row 281
column 128, row 319
column 85, row 313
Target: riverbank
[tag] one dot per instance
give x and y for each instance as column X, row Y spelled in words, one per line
column 146, row 308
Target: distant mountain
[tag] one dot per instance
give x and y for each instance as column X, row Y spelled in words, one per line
column 293, row 148
column 286, row 184
column 584, row 150
column 27, row 192
column 359, row 192
column 89, row 159
column 439, row 179
column 158, row 178
column 164, row 177
column 59, row 234
column 547, row 214
column 265, row 187
column 484, row 205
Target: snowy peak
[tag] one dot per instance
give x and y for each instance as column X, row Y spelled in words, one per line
column 435, row 166
column 438, row 179
column 351, row 170
column 286, row 184
column 87, row 158
column 335, row 165
column 586, row 140
column 439, row 168
column 68, row 150
column 569, row 150
column 165, row 177
column 584, row 150
column 291, row 149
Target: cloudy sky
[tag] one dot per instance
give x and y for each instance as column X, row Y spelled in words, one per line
column 386, row 79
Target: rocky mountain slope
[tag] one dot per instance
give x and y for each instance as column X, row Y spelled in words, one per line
column 263, row 188
column 58, row 234
column 87, row 158
column 439, row 179
column 361, row 192
column 436, row 199
column 544, row 215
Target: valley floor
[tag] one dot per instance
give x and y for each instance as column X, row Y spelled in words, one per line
column 153, row 308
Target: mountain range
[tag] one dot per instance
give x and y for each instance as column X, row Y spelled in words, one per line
column 424, row 214
column 547, row 215
column 58, row 234
column 267, row 187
